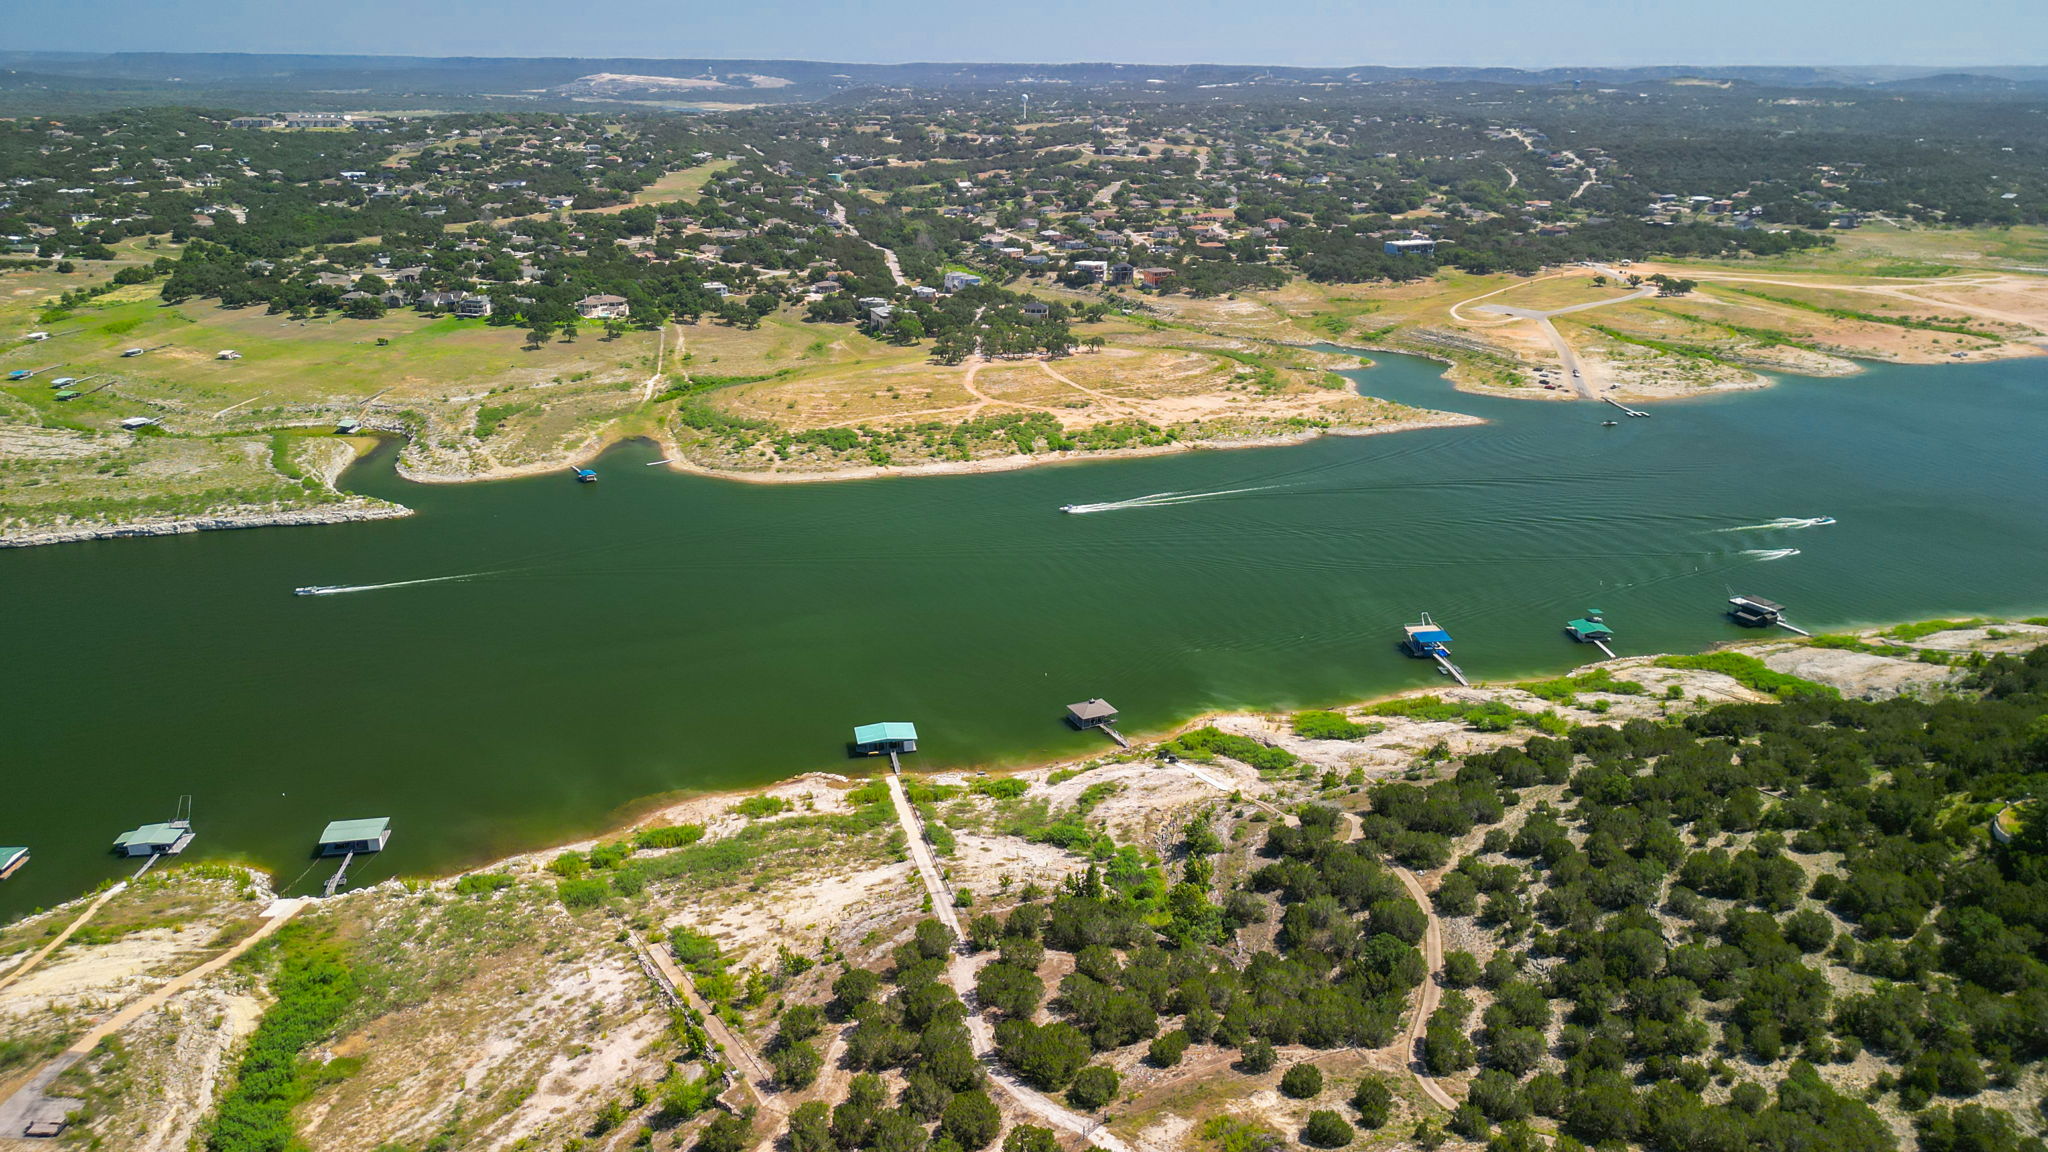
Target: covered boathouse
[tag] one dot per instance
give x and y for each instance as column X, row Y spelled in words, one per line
column 1096, row 713
column 166, row 839
column 884, row 738
column 342, row 837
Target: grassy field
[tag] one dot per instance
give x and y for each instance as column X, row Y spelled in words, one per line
column 681, row 184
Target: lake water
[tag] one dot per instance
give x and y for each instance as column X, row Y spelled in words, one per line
column 654, row 632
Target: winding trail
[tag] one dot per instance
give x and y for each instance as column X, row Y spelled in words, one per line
column 1431, row 992
column 960, row 973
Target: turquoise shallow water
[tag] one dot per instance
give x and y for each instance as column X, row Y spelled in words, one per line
column 656, row 632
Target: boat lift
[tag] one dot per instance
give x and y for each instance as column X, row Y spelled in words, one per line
column 1424, row 639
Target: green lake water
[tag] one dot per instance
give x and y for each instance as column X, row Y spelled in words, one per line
column 655, row 633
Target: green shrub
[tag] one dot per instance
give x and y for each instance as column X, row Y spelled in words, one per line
column 1167, row 1050
column 1750, row 672
column 1000, row 787
column 1093, row 1087
column 1332, row 726
column 1209, row 742
column 1230, row 1134
column 1256, row 1056
column 668, row 836
column 1302, row 1082
column 1374, row 1101
column 482, row 883
column 756, row 806
column 1326, row 1129
column 586, row 892
column 1926, row 628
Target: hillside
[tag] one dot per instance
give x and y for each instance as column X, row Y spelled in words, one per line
column 1742, row 899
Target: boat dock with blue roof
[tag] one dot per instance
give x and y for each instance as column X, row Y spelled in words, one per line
column 1426, row 640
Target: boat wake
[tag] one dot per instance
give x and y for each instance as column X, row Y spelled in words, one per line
column 1160, row 500
column 1770, row 553
column 1784, row 522
column 339, row 589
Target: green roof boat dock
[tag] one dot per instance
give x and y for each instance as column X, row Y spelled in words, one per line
column 348, row 839
column 888, row 738
column 1591, row 629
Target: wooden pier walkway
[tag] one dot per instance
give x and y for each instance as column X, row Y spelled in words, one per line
column 339, row 878
column 1455, row 672
column 1111, row 732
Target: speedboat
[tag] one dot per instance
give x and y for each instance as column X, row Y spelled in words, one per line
column 1609, row 423
column 1824, row 520
column 1068, row 507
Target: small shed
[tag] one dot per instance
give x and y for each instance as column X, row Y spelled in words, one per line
column 11, row 860
column 1091, row 713
column 342, row 837
column 166, row 839
column 347, row 427
column 885, row 737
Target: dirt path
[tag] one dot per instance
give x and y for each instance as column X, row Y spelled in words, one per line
column 33, row 1102
column 752, row 1071
column 1426, row 1001
column 960, row 973
column 23, row 968
column 1113, row 401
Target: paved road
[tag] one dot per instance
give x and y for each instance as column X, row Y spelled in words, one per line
column 1575, row 371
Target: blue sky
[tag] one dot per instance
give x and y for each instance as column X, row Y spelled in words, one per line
column 1521, row 33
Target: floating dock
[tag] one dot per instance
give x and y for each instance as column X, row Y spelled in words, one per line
column 156, row 841
column 1625, row 408
column 1757, row 612
column 1425, row 640
column 1098, row 714
column 1591, row 629
column 889, row 738
column 347, row 839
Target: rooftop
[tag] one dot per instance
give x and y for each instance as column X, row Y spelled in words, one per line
column 1092, row 709
column 886, row 730
column 343, row 831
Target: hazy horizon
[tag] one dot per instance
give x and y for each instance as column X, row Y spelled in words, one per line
column 1518, row 34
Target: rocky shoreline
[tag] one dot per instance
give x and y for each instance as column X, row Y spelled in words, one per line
column 353, row 509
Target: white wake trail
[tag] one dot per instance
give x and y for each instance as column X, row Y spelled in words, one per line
column 338, row 589
column 1783, row 522
column 1770, row 553
column 1162, row 500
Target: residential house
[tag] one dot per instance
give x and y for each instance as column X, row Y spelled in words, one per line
column 473, row 307
column 955, row 281
column 603, row 307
